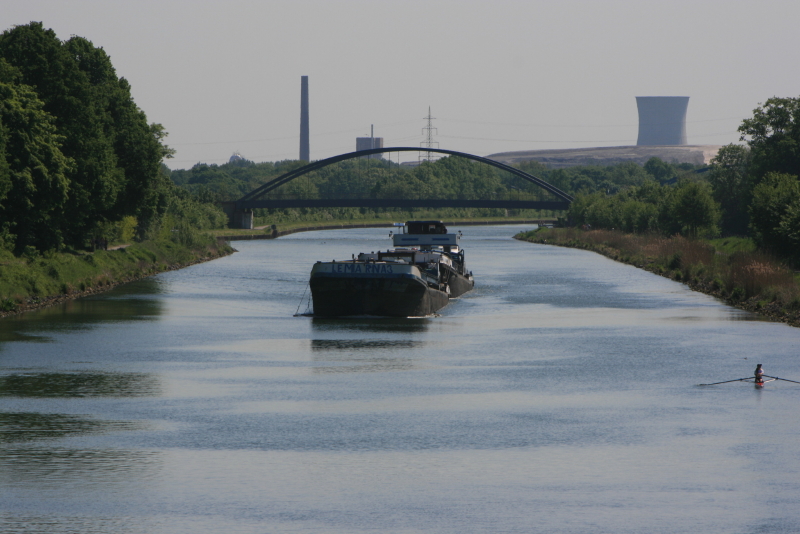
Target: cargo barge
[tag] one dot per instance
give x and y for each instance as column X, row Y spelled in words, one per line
column 425, row 269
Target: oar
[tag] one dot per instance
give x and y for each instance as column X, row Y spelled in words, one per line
column 785, row 379
column 726, row 381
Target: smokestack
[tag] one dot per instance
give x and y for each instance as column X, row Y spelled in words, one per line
column 305, row 151
column 662, row 120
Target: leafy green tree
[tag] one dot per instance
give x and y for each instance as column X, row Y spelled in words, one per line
column 650, row 192
column 116, row 154
column 583, row 184
column 773, row 213
column 773, row 134
column 694, row 208
column 601, row 214
column 660, row 169
column 790, row 230
column 126, row 228
column 627, row 174
column 69, row 96
column 731, row 182
column 579, row 207
column 137, row 146
column 33, row 185
column 6, row 182
column 633, row 216
column 559, row 178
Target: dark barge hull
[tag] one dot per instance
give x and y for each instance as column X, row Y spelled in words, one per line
column 459, row 284
column 386, row 297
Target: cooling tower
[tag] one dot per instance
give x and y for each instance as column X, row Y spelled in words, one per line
column 304, row 145
column 662, row 120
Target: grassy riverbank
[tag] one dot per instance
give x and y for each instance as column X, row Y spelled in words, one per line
column 730, row 269
column 35, row 280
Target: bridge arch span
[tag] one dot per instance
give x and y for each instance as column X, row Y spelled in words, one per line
column 291, row 175
column 241, row 216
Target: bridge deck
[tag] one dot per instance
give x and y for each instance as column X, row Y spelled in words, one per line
column 400, row 203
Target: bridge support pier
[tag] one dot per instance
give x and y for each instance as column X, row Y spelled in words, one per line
column 243, row 219
column 237, row 217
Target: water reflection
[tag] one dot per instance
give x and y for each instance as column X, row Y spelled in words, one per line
column 382, row 325
column 360, row 355
column 146, row 287
column 55, row 467
column 364, row 364
column 20, row 427
column 67, row 385
column 362, row 344
column 130, row 302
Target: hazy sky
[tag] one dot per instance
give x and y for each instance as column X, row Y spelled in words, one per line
column 498, row 76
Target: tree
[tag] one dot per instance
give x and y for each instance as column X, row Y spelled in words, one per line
column 773, row 134
column 773, row 213
column 579, row 207
column 583, row 184
column 601, row 213
column 5, row 171
column 137, row 146
column 636, row 216
column 790, row 229
column 116, row 154
column 627, row 174
column 731, row 183
column 694, row 208
column 68, row 95
column 33, row 182
column 659, row 169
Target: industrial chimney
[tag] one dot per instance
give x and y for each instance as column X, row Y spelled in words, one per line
column 304, row 144
column 662, row 120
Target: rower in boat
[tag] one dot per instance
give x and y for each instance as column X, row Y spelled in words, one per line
column 758, row 377
column 759, row 374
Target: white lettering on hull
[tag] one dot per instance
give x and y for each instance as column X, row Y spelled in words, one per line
column 359, row 268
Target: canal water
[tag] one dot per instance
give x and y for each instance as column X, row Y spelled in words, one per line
column 559, row 396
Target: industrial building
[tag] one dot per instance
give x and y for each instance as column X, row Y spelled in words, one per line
column 367, row 143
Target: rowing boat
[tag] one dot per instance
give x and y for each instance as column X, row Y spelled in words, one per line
column 752, row 380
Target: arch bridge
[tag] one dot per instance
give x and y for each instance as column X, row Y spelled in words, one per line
column 240, row 211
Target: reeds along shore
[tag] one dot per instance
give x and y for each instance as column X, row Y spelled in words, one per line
column 747, row 279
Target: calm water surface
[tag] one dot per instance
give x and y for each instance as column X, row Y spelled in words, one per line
column 559, row 396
